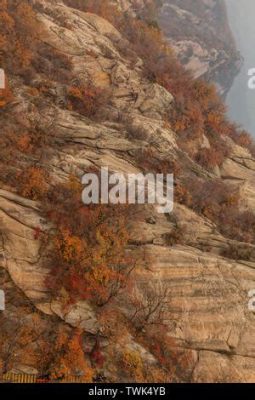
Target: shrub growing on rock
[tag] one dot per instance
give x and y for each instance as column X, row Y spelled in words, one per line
column 32, row 183
column 87, row 257
column 69, row 358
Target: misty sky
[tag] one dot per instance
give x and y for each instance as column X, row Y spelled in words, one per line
column 241, row 99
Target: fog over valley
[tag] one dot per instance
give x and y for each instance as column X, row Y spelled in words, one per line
column 241, row 99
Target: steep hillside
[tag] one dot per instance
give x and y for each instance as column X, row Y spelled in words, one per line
column 152, row 297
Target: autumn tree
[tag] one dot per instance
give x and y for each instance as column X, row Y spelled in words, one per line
column 86, row 100
column 32, row 183
column 19, row 31
column 87, row 256
column 21, row 344
column 133, row 365
column 69, row 358
column 173, row 363
column 220, row 202
column 149, row 305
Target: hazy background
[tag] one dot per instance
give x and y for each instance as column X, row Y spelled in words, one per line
column 241, row 99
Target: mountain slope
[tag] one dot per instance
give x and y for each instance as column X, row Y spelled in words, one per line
column 201, row 289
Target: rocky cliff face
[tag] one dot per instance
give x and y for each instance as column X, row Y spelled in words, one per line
column 207, row 301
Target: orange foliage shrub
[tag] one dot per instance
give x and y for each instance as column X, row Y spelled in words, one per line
column 132, row 364
column 68, row 247
column 240, row 137
column 149, row 161
column 96, row 355
column 176, row 365
column 32, row 183
column 18, row 32
column 103, row 8
column 182, row 195
column 220, row 203
column 70, row 358
column 213, row 156
column 24, row 143
column 209, row 197
column 84, row 100
column 87, row 256
column 176, row 236
column 234, row 252
column 19, row 36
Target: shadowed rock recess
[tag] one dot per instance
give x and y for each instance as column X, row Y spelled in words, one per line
column 202, row 289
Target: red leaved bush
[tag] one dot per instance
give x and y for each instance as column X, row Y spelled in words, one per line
column 220, row 203
column 87, row 255
column 85, row 100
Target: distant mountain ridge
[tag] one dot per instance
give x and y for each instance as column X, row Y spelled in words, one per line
column 199, row 33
